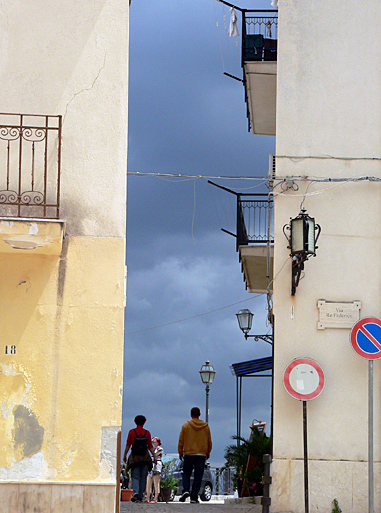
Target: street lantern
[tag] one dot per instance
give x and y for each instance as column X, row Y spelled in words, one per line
column 245, row 320
column 304, row 234
column 207, row 374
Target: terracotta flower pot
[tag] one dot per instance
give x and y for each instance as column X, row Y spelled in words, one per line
column 165, row 494
column 127, row 494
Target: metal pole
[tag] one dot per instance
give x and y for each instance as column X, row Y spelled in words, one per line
column 207, row 403
column 266, row 500
column 272, row 392
column 240, row 408
column 118, row 455
column 306, row 507
column 237, row 405
column 269, row 295
column 370, row 436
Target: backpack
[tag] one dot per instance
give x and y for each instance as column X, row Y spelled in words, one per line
column 140, row 445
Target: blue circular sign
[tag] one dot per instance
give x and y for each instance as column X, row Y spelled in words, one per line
column 366, row 338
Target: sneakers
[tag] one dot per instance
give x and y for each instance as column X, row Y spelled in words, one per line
column 134, row 498
column 184, row 496
column 195, row 501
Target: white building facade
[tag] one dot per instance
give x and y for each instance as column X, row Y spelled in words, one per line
column 328, row 128
column 328, row 146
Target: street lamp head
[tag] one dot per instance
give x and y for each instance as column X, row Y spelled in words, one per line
column 302, row 239
column 207, row 373
column 245, row 320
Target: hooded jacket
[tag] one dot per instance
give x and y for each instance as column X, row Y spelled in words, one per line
column 195, row 438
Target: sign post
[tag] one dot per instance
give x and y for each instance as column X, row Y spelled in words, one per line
column 304, row 380
column 366, row 342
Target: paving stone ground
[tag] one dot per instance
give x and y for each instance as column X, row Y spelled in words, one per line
column 214, row 506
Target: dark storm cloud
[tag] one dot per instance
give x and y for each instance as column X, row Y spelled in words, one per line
column 186, row 117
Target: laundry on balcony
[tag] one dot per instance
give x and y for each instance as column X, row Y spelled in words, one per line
column 233, row 28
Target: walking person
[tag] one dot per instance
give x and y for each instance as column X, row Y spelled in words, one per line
column 155, row 474
column 194, row 447
column 139, row 460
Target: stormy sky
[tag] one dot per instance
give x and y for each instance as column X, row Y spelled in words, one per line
column 184, row 282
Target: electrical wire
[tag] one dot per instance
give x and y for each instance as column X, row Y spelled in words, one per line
column 194, row 210
column 264, row 179
column 193, row 316
column 227, row 37
column 219, row 38
column 303, row 157
column 210, row 311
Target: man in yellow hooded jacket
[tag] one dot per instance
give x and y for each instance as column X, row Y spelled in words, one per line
column 194, row 447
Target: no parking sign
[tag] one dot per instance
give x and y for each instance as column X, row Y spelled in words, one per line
column 366, row 338
column 366, row 342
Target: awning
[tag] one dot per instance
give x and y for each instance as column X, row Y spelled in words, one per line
column 251, row 367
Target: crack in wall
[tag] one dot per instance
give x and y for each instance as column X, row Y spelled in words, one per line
column 84, row 89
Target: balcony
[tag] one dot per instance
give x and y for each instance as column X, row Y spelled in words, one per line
column 258, row 59
column 254, row 237
column 30, row 172
column 30, row 166
column 255, row 240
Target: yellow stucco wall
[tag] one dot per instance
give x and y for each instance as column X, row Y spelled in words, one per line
column 61, row 390
column 62, row 302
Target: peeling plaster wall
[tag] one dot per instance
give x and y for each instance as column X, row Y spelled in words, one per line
column 61, row 317
column 60, row 392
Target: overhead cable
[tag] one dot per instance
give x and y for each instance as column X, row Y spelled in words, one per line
column 258, row 178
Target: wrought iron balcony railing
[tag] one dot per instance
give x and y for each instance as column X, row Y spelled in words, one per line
column 254, row 215
column 30, row 165
column 259, row 35
column 254, row 223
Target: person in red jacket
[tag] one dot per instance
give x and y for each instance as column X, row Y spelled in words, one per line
column 139, row 460
column 195, row 445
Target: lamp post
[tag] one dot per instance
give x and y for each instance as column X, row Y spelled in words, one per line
column 207, row 374
column 245, row 321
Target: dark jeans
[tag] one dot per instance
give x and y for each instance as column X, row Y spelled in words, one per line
column 139, row 479
column 197, row 463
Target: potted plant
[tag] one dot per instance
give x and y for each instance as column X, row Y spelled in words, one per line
column 247, row 458
column 125, row 481
column 168, row 483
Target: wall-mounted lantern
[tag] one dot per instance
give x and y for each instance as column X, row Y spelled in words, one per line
column 302, row 239
column 245, row 320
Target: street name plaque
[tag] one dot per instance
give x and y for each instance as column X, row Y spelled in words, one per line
column 337, row 315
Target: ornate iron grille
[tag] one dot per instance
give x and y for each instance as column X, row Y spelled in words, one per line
column 252, row 221
column 259, row 36
column 30, row 165
column 267, row 26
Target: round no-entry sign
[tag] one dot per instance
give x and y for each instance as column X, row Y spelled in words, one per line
column 366, row 338
column 303, row 379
